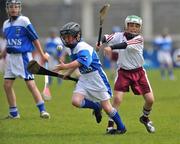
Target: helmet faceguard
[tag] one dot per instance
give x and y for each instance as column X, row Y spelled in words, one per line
column 133, row 19
column 9, row 3
column 73, row 29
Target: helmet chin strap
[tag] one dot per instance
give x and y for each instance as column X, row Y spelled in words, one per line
column 72, row 45
column 129, row 35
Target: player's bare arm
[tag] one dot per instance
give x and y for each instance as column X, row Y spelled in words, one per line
column 44, row 56
column 3, row 54
column 62, row 66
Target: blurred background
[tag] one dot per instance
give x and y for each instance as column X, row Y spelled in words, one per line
column 156, row 14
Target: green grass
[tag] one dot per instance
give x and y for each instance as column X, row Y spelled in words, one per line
column 70, row 125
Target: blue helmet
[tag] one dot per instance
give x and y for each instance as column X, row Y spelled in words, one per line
column 72, row 29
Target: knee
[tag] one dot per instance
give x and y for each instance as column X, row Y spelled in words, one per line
column 117, row 100
column 76, row 102
column 7, row 85
column 107, row 109
column 150, row 99
column 31, row 85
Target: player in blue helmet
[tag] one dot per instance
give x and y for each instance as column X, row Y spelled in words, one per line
column 93, row 89
column 21, row 38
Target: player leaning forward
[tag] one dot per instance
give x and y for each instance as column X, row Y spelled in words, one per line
column 130, row 68
column 20, row 36
column 93, row 85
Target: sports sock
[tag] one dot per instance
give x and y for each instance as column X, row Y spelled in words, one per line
column 171, row 75
column 90, row 104
column 146, row 112
column 41, row 106
column 13, row 111
column 110, row 122
column 163, row 74
column 117, row 119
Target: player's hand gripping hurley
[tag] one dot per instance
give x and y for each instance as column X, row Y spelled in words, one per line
column 103, row 13
column 35, row 68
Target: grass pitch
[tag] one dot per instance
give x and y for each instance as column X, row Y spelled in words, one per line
column 69, row 125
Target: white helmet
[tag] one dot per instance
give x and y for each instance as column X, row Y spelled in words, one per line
column 133, row 19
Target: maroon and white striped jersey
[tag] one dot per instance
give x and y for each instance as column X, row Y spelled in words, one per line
column 131, row 57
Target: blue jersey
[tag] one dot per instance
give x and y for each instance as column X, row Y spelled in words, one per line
column 89, row 60
column 163, row 43
column 86, row 55
column 51, row 47
column 19, row 35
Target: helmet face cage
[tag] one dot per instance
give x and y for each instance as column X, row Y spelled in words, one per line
column 15, row 2
column 72, row 29
column 133, row 19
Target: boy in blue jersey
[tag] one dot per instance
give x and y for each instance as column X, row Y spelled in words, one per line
column 93, row 89
column 164, row 43
column 21, row 38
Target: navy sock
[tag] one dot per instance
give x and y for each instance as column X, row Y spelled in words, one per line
column 13, row 111
column 41, row 106
column 117, row 119
column 90, row 104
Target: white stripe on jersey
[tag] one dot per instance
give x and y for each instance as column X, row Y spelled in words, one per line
column 21, row 21
column 83, row 46
column 132, row 56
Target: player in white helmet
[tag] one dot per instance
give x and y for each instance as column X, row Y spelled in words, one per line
column 21, row 38
column 130, row 68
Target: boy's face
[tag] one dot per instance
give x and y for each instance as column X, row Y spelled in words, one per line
column 69, row 39
column 13, row 9
column 133, row 28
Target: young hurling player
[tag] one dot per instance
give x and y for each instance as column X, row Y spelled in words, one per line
column 21, row 38
column 93, row 86
column 130, row 68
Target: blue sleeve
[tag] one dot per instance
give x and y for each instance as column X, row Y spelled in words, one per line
column 84, row 58
column 31, row 32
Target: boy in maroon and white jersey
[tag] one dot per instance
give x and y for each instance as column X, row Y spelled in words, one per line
column 131, row 73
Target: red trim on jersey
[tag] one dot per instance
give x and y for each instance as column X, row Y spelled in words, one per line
column 134, row 41
column 109, row 37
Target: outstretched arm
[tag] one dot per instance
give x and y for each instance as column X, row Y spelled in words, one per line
column 62, row 66
column 44, row 56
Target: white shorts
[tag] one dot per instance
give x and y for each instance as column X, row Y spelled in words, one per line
column 164, row 57
column 92, row 86
column 17, row 66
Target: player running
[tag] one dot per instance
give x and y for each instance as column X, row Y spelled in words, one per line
column 130, row 68
column 93, row 86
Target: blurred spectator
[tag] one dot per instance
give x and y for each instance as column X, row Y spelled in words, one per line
column 53, row 46
column 163, row 44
